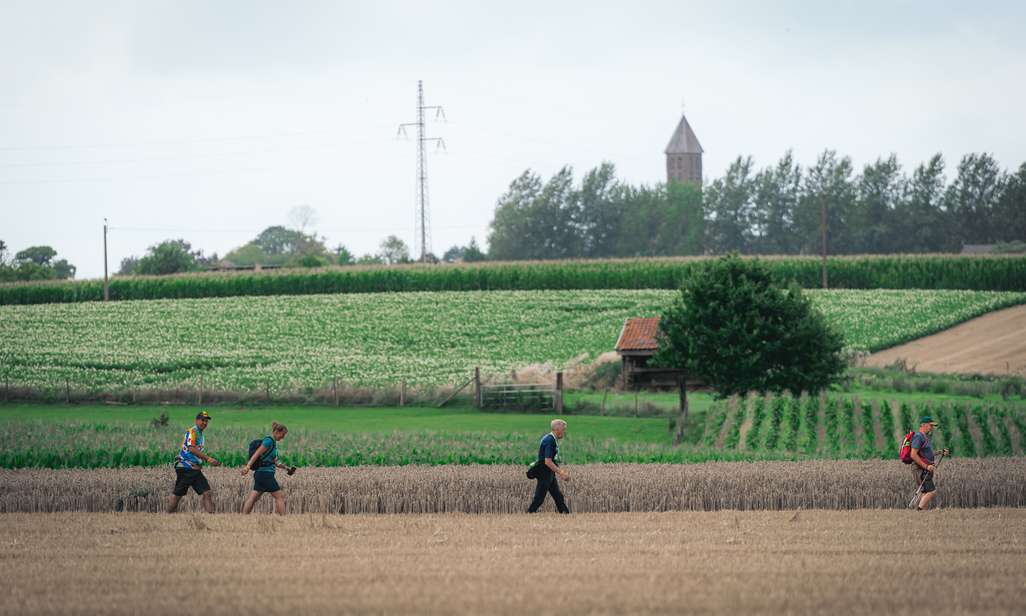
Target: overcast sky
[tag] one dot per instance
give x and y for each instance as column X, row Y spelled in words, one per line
column 211, row 120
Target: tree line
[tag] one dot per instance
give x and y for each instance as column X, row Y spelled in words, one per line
column 774, row 210
column 878, row 209
column 33, row 263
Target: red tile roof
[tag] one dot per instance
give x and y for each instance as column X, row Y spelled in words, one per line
column 638, row 334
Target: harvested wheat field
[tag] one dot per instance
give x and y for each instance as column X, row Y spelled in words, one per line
column 992, row 344
column 598, row 488
column 805, row 561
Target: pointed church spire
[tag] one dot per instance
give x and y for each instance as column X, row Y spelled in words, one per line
column 684, row 155
column 684, row 140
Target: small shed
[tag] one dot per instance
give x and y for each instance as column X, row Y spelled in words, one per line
column 637, row 345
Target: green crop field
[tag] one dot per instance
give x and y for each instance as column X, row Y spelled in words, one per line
column 289, row 342
column 758, row 429
column 976, row 272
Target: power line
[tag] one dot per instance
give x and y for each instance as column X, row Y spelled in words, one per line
column 257, row 231
column 103, row 146
column 422, row 225
column 160, row 176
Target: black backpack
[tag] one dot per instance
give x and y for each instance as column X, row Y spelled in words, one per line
column 253, row 446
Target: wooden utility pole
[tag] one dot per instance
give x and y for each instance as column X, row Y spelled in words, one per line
column 559, row 392
column 682, row 420
column 106, row 283
column 402, row 393
column 477, row 387
column 823, row 235
column 334, row 390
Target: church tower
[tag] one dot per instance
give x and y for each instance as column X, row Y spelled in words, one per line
column 684, row 155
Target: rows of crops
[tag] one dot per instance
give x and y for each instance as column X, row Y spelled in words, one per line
column 504, row 489
column 274, row 344
column 92, row 445
column 760, row 428
column 848, row 428
column 868, row 272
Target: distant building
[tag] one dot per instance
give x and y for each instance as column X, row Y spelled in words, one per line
column 978, row 249
column 637, row 344
column 684, row 155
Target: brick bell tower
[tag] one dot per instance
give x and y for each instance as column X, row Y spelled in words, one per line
column 684, row 155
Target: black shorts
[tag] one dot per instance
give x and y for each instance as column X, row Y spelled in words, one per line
column 189, row 478
column 265, row 482
column 926, row 478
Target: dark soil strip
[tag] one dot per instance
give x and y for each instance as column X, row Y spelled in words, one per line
column 734, row 438
column 975, row 432
column 900, row 429
column 952, row 436
column 878, row 438
column 856, row 420
column 725, row 428
column 745, row 427
column 1016, row 436
column 821, row 425
column 997, row 427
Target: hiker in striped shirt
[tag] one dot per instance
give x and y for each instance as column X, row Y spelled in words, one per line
column 189, row 466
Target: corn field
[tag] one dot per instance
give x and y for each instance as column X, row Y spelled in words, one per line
column 849, row 428
column 990, row 273
column 505, row 489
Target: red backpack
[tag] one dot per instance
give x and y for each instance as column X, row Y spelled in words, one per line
column 905, row 453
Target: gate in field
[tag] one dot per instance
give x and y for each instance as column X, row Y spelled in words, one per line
column 518, row 396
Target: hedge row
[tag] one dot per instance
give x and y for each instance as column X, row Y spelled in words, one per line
column 984, row 273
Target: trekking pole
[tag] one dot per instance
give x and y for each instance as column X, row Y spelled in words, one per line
column 912, row 504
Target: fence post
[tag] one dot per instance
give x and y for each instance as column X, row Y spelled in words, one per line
column 558, row 399
column 67, row 391
column 334, row 390
column 477, row 387
column 199, row 394
column 402, row 393
column 267, row 390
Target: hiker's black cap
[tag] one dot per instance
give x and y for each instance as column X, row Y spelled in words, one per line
column 927, row 419
column 203, row 415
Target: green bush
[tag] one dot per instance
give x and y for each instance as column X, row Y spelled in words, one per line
column 738, row 330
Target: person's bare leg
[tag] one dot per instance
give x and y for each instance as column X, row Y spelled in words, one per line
column 924, row 500
column 208, row 501
column 172, row 504
column 279, row 502
column 251, row 500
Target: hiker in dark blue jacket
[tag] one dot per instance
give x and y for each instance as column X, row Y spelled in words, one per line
column 546, row 469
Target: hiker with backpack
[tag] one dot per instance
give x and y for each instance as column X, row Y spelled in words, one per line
column 917, row 451
column 546, row 468
column 263, row 461
column 189, row 466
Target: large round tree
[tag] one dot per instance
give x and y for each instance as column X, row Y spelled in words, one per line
column 737, row 329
